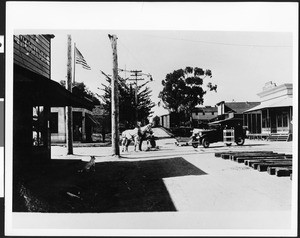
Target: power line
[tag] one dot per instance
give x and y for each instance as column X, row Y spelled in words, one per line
column 220, row 43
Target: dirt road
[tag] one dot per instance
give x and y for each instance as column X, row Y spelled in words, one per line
column 171, row 187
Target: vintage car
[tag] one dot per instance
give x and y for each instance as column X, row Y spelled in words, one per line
column 216, row 134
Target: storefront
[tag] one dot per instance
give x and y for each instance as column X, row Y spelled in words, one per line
column 83, row 125
column 33, row 97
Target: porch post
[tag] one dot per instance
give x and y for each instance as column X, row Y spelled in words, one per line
column 83, row 131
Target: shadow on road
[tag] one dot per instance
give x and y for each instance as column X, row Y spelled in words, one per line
column 118, row 186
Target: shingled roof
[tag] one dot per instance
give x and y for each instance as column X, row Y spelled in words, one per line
column 205, row 109
column 239, row 107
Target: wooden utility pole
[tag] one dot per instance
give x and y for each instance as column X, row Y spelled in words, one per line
column 69, row 114
column 136, row 92
column 115, row 99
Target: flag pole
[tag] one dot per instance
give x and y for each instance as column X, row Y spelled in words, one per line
column 74, row 64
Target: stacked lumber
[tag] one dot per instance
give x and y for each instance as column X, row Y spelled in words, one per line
column 228, row 155
column 279, row 164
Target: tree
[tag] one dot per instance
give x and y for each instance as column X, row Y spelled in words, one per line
column 81, row 90
column 127, row 102
column 183, row 90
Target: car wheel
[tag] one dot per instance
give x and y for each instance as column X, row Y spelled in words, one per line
column 240, row 141
column 228, row 144
column 195, row 143
column 205, row 143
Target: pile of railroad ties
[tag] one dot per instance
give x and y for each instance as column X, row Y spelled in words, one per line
column 278, row 164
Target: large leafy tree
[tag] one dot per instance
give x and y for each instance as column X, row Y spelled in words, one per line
column 127, row 105
column 81, row 90
column 183, row 90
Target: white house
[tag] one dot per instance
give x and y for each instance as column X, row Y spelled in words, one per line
column 163, row 113
column 275, row 112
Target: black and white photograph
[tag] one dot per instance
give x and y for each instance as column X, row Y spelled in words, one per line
column 149, row 119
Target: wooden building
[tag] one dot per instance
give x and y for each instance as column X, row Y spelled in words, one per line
column 83, row 125
column 232, row 112
column 273, row 118
column 33, row 97
column 164, row 114
column 201, row 116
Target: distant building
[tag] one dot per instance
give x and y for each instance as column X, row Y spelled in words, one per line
column 83, row 124
column 163, row 113
column 232, row 112
column 273, row 117
column 202, row 115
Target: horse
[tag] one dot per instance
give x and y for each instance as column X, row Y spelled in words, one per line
column 136, row 134
column 127, row 136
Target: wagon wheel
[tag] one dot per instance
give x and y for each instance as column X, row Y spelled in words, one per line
column 205, row 143
column 195, row 143
column 240, row 141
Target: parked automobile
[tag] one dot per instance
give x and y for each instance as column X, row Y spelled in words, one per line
column 216, row 134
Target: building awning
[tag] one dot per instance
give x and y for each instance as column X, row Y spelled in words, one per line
column 227, row 120
column 42, row 91
column 92, row 119
column 279, row 102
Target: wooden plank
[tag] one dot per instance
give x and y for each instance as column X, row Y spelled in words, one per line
column 218, row 154
column 280, row 172
column 21, row 52
column 254, row 164
column 264, row 166
column 266, row 153
column 247, row 161
column 240, row 152
column 250, row 161
column 271, row 170
column 227, row 155
column 243, row 158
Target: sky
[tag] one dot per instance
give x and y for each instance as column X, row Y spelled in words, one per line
column 241, row 62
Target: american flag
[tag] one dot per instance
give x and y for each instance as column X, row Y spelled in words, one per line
column 79, row 59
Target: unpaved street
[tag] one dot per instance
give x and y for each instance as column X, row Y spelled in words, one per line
column 208, row 191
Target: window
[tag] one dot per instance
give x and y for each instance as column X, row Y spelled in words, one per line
column 212, row 113
column 253, row 123
column 54, row 122
column 265, row 119
column 203, row 113
column 245, row 119
column 258, row 123
column 250, row 123
column 285, row 120
column 279, row 120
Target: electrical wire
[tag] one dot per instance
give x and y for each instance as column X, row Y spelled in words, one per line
column 219, row 43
